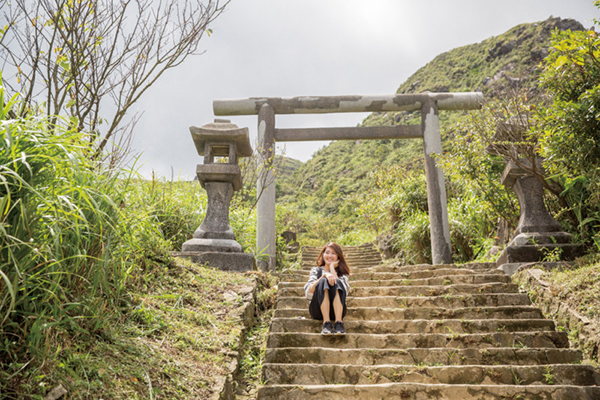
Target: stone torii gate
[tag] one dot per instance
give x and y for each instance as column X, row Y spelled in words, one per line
column 427, row 103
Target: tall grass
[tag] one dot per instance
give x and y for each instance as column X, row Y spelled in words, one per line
column 58, row 220
column 75, row 239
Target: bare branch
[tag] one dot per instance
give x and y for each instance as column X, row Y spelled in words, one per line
column 87, row 57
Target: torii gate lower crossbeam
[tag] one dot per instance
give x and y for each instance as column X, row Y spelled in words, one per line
column 427, row 103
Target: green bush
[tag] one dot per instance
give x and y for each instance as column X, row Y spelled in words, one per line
column 76, row 239
column 412, row 238
column 60, row 218
column 568, row 128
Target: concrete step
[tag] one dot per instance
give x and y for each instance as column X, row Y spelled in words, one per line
column 354, row 267
column 428, row 391
column 423, row 267
column 426, row 290
column 450, row 326
column 412, row 272
column 347, row 255
column 370, row 274
column 379, row 313
column 447, row 301
column 412, row 340
column 352, row 261
column 440, row 280
column 331, row 374
column 423, row 356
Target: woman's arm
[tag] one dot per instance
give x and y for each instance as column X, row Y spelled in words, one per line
column 313, row 279
column 333, row 273
column 344, row 282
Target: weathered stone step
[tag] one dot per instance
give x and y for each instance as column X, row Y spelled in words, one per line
column 347, row 254
column 345, row 249
column 411, row 340
column 440, row 280
column 417, row 356
column 351, row 261
column 448, row 301
column 369, row 274
column 452, row 326
column 426, row 290
column 349, row 257
column 377, row 262
column 330, row 374
column 423, row 267
column 378, row 313
column 404, row 272
column 423, row 391
column 354, row 267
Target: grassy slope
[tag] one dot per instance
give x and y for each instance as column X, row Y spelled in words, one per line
column 576, row 288
column 174, row 345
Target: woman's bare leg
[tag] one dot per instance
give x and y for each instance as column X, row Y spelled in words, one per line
column 338, row 307
column 325, row 306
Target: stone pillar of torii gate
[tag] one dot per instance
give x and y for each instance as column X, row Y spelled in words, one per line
column 427, row 103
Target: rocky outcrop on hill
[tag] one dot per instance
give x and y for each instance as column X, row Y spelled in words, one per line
column 495, row 66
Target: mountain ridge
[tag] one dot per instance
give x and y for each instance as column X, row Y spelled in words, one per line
column 493, row 66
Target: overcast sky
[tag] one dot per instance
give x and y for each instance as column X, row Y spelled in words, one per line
column 285, row 48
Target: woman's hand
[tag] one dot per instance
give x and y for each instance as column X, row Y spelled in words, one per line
column 331, row 277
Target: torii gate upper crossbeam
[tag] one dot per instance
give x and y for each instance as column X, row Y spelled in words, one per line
column 339, row 104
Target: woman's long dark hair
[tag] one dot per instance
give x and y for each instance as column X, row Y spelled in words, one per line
column 342, row 268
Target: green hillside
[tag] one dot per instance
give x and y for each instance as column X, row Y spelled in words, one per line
column 497, row 66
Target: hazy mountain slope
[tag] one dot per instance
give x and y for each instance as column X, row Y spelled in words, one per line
column 493, row 66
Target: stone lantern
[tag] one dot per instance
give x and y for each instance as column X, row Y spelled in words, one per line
column 214, row 241
column 538, row 233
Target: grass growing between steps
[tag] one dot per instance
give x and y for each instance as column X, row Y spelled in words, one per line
column 174, row 344
column 255, row 344
column 578, row 288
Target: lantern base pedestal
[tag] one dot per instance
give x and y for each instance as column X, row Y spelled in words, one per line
column 225, row 261
column 204, row 245
column 540, row 246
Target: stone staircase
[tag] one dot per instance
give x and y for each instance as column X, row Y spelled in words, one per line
column 421, row 332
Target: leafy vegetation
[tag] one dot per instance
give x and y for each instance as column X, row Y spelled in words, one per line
column 90, row 297
column 568, row 127
column 93, row 59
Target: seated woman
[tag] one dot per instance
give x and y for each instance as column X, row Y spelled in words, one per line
column 327, row 288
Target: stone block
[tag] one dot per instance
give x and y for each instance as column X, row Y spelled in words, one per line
column 533, row 253
column 222, row 131
column 225, row 261
column 541, row 238
column 510, row 268
column 219, row 173
column 212, row 245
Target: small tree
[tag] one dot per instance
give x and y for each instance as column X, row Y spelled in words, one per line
column 93, row 59
column 569, row 126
